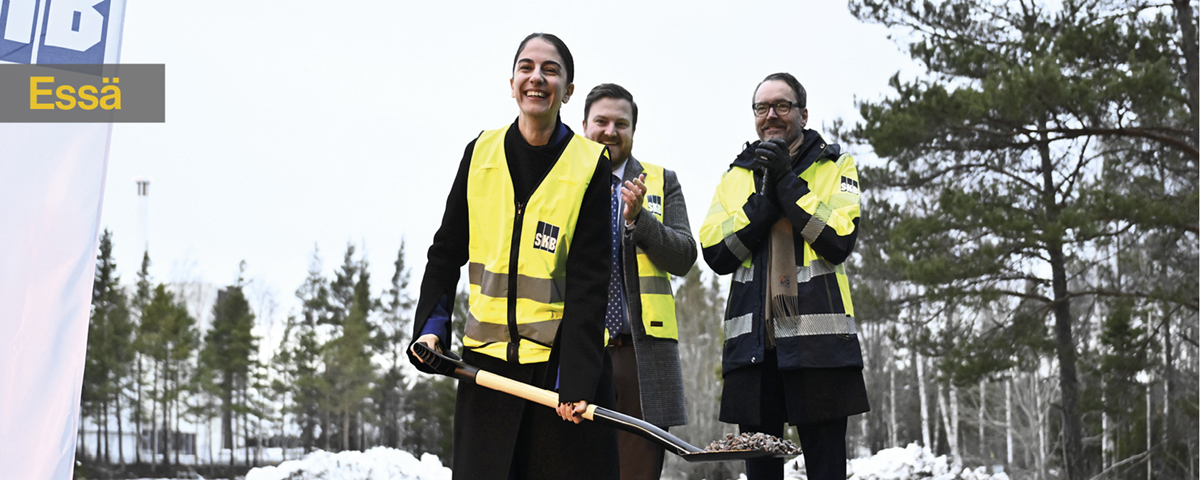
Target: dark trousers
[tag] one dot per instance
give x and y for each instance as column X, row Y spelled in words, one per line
column 499, row 436
column 640, row 459
column 824, row 443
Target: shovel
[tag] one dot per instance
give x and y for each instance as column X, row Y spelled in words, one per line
column 456, row 368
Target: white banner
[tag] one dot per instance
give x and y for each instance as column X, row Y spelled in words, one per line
column 51, row 190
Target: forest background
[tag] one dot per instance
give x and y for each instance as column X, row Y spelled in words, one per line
column 1025, row 281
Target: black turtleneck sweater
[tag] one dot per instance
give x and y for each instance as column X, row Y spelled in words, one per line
column 588, row 263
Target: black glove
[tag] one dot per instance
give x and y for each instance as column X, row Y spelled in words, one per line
column 773, row 155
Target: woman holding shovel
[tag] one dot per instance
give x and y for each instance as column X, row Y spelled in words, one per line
column 525, row 213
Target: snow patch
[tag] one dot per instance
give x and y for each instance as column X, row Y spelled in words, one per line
column 382, row 463
column 379, row 463
column 912, row 461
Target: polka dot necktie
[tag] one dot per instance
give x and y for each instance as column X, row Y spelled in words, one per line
column 612, row 316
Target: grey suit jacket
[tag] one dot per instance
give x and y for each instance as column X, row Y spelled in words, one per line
column 671, row 246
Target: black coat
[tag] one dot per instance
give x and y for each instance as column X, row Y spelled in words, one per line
column 493, row 429
column 810, row 394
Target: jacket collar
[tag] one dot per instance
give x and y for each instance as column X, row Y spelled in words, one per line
column 633, row 168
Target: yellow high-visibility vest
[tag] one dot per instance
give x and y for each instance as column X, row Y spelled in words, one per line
column 537, row 236
column 654, row 284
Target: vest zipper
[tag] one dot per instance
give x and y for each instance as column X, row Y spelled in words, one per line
column 514, row 338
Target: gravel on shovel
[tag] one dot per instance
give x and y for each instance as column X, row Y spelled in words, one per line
column 753, row 441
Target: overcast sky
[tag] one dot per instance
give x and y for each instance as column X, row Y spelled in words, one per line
column 294, row 125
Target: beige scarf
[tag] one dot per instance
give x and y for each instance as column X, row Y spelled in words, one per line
column 781, row 277
column 782, row 295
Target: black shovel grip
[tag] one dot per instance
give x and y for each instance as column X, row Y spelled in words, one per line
column 447, row 364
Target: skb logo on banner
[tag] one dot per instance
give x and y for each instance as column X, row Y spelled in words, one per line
column 56, row 31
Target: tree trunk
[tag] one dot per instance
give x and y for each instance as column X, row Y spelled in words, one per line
column 233, row 439
column 1008, row 425
column 892, row 402
column 154, row 423
column 346, row 428
column 137, row 414
column 1072, row 425
column 82, row 436
column 325, row 428
column 1105, row 441
column 925, row 437
column 1168, row 379
column 258, row 433
column 209, row 426
column 955, row 447
column 208, row 429
column 936, row 418
column 103, row 427
column 227, row 438
column 227, row 413
column 1041, row 428
column 283, row 421
column 358, row 431
column 1149, row 432
column 245, row 426
column 120, row 431
column 166, row 430
column 948, row 414
column 177, row 447
column 982, row 409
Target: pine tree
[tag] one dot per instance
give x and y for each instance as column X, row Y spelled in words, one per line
column 109, row 337
column 141, row 298
column 167, row 337
column 391, row 341
column 285, row 370
column 349, row 372
column 229, row 346
column 305, row 357
column 1000, row 150
column 120, row 350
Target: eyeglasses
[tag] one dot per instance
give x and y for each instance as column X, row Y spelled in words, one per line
column 781, row 107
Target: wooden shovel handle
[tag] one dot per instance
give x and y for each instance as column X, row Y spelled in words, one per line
column 523, row 390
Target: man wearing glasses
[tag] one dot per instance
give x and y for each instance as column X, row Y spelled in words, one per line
column 783, row 221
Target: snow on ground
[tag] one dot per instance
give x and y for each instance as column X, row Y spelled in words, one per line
column 912, row 461
column 381, row 463
column 378, row 463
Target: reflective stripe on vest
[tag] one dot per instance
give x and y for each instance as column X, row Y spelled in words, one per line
column 654, row 284
column 542, row 242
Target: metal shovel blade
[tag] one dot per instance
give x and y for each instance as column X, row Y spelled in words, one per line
column 452, row 366
column 727, row 456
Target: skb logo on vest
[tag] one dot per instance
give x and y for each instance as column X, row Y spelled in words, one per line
column 546, row 237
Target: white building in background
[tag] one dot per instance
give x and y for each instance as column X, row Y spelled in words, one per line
column 196, row 444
